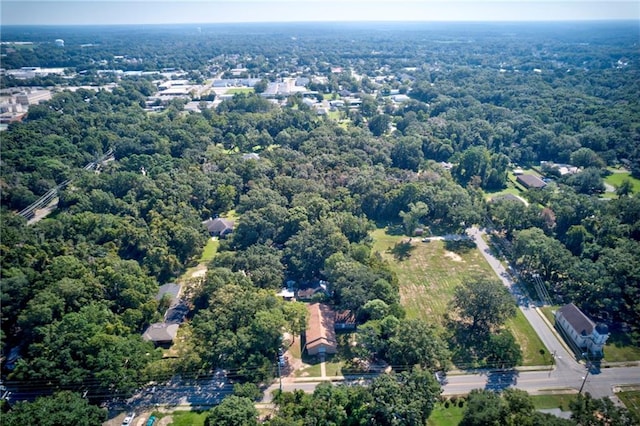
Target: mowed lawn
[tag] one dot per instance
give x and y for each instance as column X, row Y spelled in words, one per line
column 429, row 275
column 534, row 352
column 616, row 179
column 631, row 400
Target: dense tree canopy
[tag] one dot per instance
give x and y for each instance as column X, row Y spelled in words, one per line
column 484, row 303
column 78, row 287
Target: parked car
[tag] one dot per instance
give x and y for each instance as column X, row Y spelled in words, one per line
column 441, row 377
column 128, row 420
column 151, row 421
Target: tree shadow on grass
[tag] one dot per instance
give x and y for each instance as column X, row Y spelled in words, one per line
column 467, row 346
column 460, row 246
column 402, row 250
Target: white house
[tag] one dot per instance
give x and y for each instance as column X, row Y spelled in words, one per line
column 583, row 333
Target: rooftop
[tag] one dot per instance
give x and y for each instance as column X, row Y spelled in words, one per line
column 320, row 329
column 578, row 320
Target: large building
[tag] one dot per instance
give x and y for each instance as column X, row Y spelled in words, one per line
column 581, row 331
column 34, row 97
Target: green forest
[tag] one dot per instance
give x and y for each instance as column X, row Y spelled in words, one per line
column 78, row 287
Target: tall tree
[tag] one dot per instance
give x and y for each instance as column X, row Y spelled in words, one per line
column 233, row 411
column 486, row 304
column 63, row 408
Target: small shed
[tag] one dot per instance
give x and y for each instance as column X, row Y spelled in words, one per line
column 345, row 320
column 286, row 294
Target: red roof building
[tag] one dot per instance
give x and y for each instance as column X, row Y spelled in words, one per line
column 320, row 335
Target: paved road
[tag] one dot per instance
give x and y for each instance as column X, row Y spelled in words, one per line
column 598, row 383
column 564, row 358
column 567, row 374
column 567, row 368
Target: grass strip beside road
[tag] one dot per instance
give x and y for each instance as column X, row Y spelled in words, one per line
column 561, row 401
column 533, row 350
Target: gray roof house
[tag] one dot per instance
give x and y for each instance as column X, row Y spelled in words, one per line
column 531, row 181
column 161, row 333
column 581, row 332
column 170, row 289
column 219, row 227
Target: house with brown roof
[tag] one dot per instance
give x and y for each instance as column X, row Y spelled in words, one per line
column 320, row 336
column 345, row 320
column 581, row 331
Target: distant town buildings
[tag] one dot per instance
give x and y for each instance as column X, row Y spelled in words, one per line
column 14, row 105
column 25, row 73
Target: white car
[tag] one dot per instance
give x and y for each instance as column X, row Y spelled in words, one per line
column 129, row 419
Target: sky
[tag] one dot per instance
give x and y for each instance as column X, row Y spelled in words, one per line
column 99, row 12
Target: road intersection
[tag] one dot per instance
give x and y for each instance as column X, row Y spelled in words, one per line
column 566, row 376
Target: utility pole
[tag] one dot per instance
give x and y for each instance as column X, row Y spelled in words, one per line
column 279, row 373
column 584, row 379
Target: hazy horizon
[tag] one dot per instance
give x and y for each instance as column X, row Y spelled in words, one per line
column 153, row 12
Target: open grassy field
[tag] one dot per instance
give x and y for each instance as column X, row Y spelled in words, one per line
column 616, row 179
column 188, row 418
column 631, row 400
column 443, row 416
column 429, row 273
column 560, row 401
column 619, row 349
column 533, row 350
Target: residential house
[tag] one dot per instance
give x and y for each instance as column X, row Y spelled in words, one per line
column 531, row 181
column 172, row 290
column 308, row 294
column 345, row 320
column 320, row 336
column 219, row 227
column 581, row 331
column 161, row 333
column 251, row 156
column 286, row 294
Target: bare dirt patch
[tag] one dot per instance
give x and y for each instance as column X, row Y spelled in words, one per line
column 200, row 272
column 453, row 256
